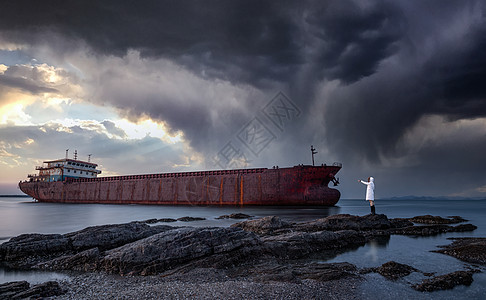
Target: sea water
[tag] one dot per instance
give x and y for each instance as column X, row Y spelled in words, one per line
column 22, row 215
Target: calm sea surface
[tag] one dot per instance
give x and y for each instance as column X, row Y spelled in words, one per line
column 22, row 215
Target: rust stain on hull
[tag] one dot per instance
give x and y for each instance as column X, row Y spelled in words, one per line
column 300, row 185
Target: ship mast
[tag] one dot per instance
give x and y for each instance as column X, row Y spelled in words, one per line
column 313, row 151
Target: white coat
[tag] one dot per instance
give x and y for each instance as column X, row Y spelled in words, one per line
column 370, row 189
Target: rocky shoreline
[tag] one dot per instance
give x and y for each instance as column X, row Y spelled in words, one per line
column 250, row 259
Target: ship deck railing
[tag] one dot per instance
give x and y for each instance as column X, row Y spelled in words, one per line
column 168, row 175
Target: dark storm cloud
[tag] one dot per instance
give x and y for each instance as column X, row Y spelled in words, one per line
column 269, row 45
column 248, row 41
column 457, row 78
column 374, row 113
column 391, row 63
column 352, row 40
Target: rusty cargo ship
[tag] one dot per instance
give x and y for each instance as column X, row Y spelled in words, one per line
column 75, row 181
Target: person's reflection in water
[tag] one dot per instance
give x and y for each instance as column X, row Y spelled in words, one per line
column 375, row 244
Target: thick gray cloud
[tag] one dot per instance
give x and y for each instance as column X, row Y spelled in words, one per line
column 363, row 74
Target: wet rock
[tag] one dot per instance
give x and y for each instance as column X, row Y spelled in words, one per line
column 26, row 249
column 83, row 261
column 299, row 244
column 150, row 221
column 111, row 236
column 296, row 272
column 23, row 290
column 190, row 219
column 471, row 250
column 400, row 223
column 429, row 230
column 393, row 270
column 173, row 248
column 429, row 219
column 166, row 220
column 457, row 219
column 445, row 282
column 39, row 291
column 234, row 216
column 266, row 225
column 346, row 222
column 10, row 289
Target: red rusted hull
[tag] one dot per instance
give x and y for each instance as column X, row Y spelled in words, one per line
column 300, row 185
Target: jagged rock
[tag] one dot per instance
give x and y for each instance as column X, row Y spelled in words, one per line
column 83, row 261
column 39, row 291
column 346, row 222
column 234, row 216
column 111, row 236
column 472, row 250
column 27, row 250
column 266, row 225
column 445, row 282
column 190, row 219
column 299, row 244
column 173, row 248
column 429, row 219
column 10, row 289
column 393, row 270
column 428, row 230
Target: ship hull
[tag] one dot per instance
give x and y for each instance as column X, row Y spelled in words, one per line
column 300, row 185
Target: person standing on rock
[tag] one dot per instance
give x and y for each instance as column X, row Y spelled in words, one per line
column 370, row 192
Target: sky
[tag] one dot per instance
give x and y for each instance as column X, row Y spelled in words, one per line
column 391, row 89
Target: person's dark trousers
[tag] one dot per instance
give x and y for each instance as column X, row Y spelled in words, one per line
column 372, row 209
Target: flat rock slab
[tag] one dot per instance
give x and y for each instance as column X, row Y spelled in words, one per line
column 445, row 282
column 393, row 270
column 234, row 216
column 166, row 220
column 264, row 226
column 429, row 219
column 190, row 219
column 471, row 250
column 271, row 271
column 299, row 244
column 347, row 222
column 429, row 230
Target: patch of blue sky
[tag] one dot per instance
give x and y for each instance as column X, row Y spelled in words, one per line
column 15, row 57
column 69, row 109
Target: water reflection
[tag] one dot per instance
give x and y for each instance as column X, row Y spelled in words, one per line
column 374, row 245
